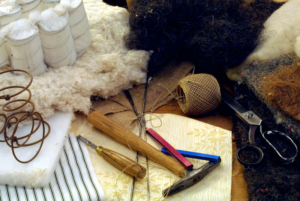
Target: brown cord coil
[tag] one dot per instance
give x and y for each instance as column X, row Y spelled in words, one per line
column 16, row 116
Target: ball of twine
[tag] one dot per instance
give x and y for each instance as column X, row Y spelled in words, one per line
column 198, row 94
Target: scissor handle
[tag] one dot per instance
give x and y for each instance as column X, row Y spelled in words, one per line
column 253, row 148
column 276, row 152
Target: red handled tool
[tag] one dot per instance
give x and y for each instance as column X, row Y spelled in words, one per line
column 187, row 164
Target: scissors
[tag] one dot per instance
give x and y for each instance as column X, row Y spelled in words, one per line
column 271, row 137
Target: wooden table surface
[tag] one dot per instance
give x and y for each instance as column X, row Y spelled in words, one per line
column 239, row 187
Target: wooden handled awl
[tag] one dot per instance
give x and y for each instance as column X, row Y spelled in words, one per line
column 118, row 160
column 128, row 138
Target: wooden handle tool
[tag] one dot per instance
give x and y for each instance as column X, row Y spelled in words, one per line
column 118, row 160
column 128, row 138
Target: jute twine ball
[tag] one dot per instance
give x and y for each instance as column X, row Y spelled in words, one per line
column 198, row 94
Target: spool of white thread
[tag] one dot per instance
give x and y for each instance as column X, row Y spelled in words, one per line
column 28, row 6
column 26, row 49
column 8, row 13
column 56, row 38
column 79, row 26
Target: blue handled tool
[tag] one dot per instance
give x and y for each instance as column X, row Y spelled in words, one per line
column 190, row 154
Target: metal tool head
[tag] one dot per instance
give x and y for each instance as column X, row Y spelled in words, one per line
column 246, row 115
column 86, row 141
column 191, row 178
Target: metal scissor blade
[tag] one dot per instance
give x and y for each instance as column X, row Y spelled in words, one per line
column 247, row 115
column 228, row 98
column 192, row 177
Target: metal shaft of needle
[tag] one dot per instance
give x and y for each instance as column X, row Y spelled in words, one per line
column 141, row 129
column 129, row 97
column 144, row 132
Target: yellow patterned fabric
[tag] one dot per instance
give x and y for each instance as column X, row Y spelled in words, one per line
column 182, row 133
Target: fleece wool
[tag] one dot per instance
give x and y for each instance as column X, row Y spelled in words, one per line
column 105, row 69
column 279, row 35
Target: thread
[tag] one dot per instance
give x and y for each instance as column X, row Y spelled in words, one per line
column 122, row 172
column 152, row 165
column 198, row 94
column 233, row 167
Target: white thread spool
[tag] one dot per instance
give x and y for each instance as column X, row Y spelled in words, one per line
column 28, row 6
column 56, row 38
column 79, row 26
column 26, row 49
column 49, row 4
column 3, row 54
column 12, row 14
column 8, row 14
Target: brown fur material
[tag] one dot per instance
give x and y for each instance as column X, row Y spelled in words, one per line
column 282, row 89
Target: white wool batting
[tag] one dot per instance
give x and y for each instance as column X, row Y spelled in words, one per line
column 280, row 33
column 297, row 46
column 105, row 69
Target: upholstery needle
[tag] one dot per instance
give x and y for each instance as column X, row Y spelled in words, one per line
column 142, row 131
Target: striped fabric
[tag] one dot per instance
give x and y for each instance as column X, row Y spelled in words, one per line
column 73, row 179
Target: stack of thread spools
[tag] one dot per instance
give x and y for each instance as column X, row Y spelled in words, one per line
column 31, row 38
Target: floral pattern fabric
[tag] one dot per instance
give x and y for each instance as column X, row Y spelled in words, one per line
column 182, row 133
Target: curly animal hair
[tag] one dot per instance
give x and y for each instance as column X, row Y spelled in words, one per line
column 213, row 34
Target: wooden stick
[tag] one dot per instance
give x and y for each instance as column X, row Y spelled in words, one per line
column 128, row 138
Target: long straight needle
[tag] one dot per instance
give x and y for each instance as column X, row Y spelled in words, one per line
column 144, row 133
column 129, row 97
column 142, row 128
